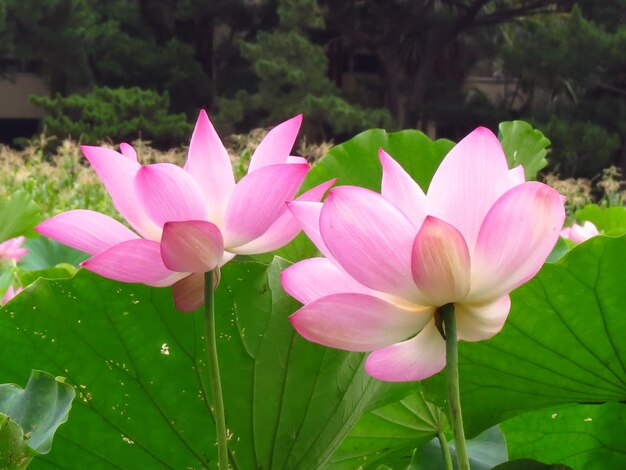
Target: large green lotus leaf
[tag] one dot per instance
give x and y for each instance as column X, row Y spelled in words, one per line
column 14, row 452
column 356, row 162
column 389, row 435
column 611, row 220
column 524, row 145
column 137, row 363
column 295, row 400
column 562, row 343
column 584, row 437
column 18, row 215
column 39, row 409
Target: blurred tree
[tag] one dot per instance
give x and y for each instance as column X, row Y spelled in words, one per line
column 154, row 44
column 421, row 44
column 54, row 32
column 293, row 78
column 573, row 72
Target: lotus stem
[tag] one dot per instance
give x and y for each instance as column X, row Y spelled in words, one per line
column 445, row 450
column 214, row 371
column 452, row 376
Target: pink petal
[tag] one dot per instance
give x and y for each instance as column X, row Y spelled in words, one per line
column 440, row 262
column 128, row 151
column 476, row 322
column 12, row 249
column 468, row 182
column 134, row 261
column 86, row 231
column 370, row 238
column 313, row 278
column 169, row 194
column 400, row 189
column 285, row 228
column 193, row 246
column 357, row 322
column 516, row 176
column 117, row 173
column 515, row 239
column 189, row 292
column 209, row 164
column 580, row 233
column 294, row 159
column 414, row 359
column 277, row 144
column 259, row 200
column 308, row 216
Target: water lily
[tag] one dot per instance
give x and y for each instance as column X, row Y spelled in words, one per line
column 12, row 249
column 580, row 233
column 393, row 260
column 187, row 221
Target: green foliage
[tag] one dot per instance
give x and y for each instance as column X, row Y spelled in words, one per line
column 44, row 253
column 356, row 162
column 14, row 452
column 528, row 464
column 610, row 220
column 574, row 86
column 485, row 451
column 122, row 114
column 525, row 146
column 581, row 148
column 39, row 409
column 293, row 79
column 581, row 436
column 142, row 400
column 18, row 215
column 53, row 32
column 390, row 434
column 560, row 343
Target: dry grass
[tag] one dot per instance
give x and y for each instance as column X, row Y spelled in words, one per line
column 64, row 181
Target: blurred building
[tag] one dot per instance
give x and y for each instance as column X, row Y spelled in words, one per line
column 18, row 81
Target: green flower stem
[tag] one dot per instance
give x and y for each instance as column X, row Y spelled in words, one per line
column 445, row 450
column 452, row 376
column 214, row 371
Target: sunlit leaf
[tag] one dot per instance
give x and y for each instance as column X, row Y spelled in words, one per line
column 524, row 145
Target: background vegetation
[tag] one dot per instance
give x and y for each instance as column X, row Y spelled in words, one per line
column 347, row 64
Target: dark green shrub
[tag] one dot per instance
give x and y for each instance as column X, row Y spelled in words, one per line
column 119, row 114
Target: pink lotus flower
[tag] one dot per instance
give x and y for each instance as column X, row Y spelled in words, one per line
column 191, row 220
column 12, row 249
column 10, row 293
column 393, row 258
column 580, row 233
